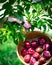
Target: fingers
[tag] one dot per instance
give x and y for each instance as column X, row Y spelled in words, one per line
column 12, row 19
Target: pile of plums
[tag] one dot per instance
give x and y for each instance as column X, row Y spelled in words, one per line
column 36, row 50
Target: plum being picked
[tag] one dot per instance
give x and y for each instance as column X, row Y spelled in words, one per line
column 34, row 44
column 27, row 44
column 42, row 60
column 42, row 41
column 36, row 55
column 47, row 54
column 24, row 52
column 27, row 25
column 31, row 51
column 27, row 58
column 32, row 61
column 46, row 47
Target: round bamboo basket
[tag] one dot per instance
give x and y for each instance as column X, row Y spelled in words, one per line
column 30, row 36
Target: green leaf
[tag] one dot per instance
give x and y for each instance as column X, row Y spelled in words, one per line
column 20, row 7
column 49, row 11
column 6, row 5
column 1, row 32
column 32, row 27
column 33, row 11
column 44, row 26
column 27, row 8
column 50, row 25
column 27, row 5
column 12, row 1
column 37, row 7
column 22, row 36
column 2, row 1
column 39, row 24
column 18, row 1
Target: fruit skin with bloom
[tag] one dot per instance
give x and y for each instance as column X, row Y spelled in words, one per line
column 42, row 41
column 24, row 52
column 46, row 47
column 27, row 44
column 39, row 49
column 32, row 61
column 42, row 60
column 34, row 43
column 27, row 58
column 47, row 54
column 31, row 51
column 36, row 55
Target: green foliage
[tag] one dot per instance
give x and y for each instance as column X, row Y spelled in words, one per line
column 2, row 1
column 11, row 2
column 8, row 54
column 38, row 9
column 47, row 6
column 39, row 17
column 12, row 30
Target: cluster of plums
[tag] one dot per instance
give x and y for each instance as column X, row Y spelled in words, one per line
column 36, row 50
